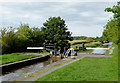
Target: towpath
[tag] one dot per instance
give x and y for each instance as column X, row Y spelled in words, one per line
column 34, row 72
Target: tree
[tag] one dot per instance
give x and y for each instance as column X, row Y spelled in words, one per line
column 105, row 36
column 101, row 39
column 18, row 39
column 36, row 37
column 23, row 33
column 115, row 10
column 29, row 37
column 55, row 31
column 89, row 39
column 111, row 30
column 79, row 37
column 9, row 38
column 97, row 38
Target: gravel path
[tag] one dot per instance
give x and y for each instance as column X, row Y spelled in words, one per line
column 55, row 68
column 30, row 73
column 46, row 71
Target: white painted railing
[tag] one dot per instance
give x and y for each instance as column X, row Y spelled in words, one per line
column 35, row 47
column 68, row 51
column 98, row 48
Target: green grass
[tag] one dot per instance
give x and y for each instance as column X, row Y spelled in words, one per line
column 108, row 51
column 87, row 69
column 92, row 44
column 75, row 43
column 9, row 58
column 43, row 51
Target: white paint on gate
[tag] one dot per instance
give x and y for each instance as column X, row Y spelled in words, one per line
column 98, row 48
column 35, row 47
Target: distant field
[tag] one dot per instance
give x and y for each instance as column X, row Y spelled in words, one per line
column 14, row 57
column 75, row 43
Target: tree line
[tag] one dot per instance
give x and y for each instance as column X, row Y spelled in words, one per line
column 54, row 30
column 95, row 39
column 18, row 39
column 79, row 37
column 111, row 29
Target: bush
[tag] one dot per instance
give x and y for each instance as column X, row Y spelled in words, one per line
column 89, row 39
column 94, row 45
column 78, row 42
column 18, row 39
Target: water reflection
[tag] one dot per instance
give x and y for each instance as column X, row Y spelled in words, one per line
column 102, row 51
column 99, row 51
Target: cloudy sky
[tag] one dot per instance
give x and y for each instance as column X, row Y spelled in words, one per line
column 82, row 18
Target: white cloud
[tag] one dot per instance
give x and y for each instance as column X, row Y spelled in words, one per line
column 87, row 14
column 58, row 0
column 88, row 31
column 81, row 18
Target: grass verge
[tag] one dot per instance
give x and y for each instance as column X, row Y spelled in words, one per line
column 14, row 57
column 87, row 69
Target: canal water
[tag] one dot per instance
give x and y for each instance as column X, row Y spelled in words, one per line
column 26, row 71
column 102, row 51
